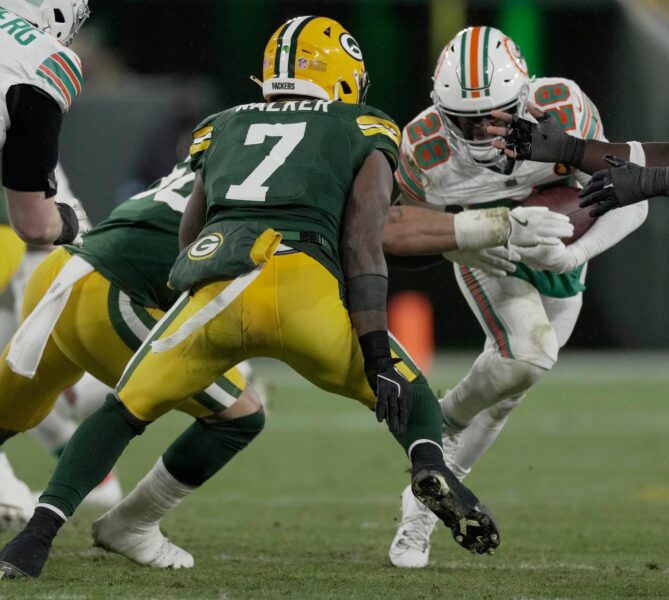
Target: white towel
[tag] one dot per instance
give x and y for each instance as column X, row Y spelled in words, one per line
column 208, row 312
column 30, row 340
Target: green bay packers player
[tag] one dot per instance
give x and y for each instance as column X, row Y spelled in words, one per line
column 447, row 160
column 116, row 291
column 289, row 203
column 39, row 80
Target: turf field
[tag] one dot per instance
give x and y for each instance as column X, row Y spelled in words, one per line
column 579, row 482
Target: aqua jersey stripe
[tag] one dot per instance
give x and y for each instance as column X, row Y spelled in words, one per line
column 74, row 70
column 408, row 182
column 55, row 86
column 55, row 67
column 463, row 64
column 294, row 42
column 484, row 60
column 594, row 120
column 485, row 308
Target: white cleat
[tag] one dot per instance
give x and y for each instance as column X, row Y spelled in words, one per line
column 106, row 494
column 143, row 544
column 16, row 500
column 411, row 546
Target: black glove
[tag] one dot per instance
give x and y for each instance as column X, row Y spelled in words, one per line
column 393, row 394
column 544, row 141
column 625, row 184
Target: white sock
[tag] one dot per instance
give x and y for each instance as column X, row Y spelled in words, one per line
column 480, row 435
column 153, row 497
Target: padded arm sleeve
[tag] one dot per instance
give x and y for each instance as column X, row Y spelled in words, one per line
column 30, row 154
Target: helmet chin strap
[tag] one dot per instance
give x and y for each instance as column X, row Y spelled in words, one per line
column 336, row 89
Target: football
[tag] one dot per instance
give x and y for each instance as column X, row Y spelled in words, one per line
column 564, row 200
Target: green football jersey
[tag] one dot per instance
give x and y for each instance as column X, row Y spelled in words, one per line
column 136, row 246
column 289, row 165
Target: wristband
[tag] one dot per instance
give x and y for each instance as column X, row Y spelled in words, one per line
column 573, row 151
column 654, row 181
column 367, row 292
column 375, row 345
column 482, row 228
column 70, row 224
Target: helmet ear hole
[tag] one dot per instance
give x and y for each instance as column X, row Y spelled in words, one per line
column 346, row 88
column 59, row 16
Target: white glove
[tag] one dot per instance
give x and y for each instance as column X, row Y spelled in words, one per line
column 555, row 257
column 534, row 225
column 84, row 222
column 497, row 261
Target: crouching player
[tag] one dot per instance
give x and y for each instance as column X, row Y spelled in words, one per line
column 91, row 307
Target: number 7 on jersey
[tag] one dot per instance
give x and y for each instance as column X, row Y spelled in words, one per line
column 252, row 188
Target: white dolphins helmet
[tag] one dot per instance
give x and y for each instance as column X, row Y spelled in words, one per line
column 479, row 70
column 60, row 18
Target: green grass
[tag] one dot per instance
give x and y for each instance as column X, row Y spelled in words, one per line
column 579, row 482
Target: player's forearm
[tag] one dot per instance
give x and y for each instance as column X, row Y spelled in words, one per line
column 654, row 154
column 35, row 218
column 415, row 231
column 593, row 155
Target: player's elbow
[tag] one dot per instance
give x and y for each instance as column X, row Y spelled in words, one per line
column 36, row 233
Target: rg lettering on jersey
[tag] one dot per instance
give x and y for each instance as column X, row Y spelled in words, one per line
column 289, row 106
column 20, row 29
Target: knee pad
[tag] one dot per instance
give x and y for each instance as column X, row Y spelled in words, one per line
column 510, row 377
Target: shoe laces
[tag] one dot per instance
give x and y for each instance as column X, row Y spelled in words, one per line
column 416, row 532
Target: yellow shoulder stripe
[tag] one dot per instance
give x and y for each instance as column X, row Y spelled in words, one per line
column 201, row 140
column 370, row 125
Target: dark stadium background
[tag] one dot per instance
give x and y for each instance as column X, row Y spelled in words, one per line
column 153, row 68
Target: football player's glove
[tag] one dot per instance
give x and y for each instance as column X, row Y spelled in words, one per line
column 533, row 225
column 497, row 261
column 543, row 141
column 393, row 394
column 624, row 184
column 75, row 221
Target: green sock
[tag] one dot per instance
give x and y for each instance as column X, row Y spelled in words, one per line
column 90, row 454
column 205, row 447
column 425, row 418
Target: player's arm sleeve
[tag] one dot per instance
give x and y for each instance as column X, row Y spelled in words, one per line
column 30, row 153
column 607, row 231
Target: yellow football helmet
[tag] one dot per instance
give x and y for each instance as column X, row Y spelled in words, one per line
column 316, row 57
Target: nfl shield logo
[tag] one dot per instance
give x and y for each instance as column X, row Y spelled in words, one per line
column 301, row 63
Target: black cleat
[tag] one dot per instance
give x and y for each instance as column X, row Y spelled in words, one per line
column 9, row 571
column 27, row 553
column 469, row 520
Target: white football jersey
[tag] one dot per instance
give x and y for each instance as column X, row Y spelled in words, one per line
column 30, row 56
column 430, row 171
